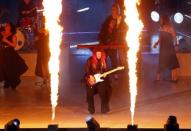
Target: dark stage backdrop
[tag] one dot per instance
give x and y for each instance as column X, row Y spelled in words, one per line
column 90, row 20
column 73, row 21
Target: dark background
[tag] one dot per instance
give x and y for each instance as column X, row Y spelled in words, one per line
column 90, row 21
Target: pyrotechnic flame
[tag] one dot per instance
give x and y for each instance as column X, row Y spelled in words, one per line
column 52, row 12
column 132, row 38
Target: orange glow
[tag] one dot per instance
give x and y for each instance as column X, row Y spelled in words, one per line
column 132, row 38
column 52, row 11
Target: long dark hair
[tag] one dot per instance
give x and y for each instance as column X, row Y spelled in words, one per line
column 164, row 20
column 13, row 28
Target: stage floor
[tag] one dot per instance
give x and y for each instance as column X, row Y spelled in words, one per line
column 155, row 101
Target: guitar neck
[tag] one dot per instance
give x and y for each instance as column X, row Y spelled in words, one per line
column 109, row 72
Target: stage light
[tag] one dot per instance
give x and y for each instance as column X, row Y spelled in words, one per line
column 52, row 127
column 171, row 124
column 178, row 18
column 12, row 125
column 92, row 124
column 84, row 9
column 132, row 128
column 155, row 16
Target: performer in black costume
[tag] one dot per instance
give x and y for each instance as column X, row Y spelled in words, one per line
column 113, row 31
column 12, row 65
column 167, row 56
column 27, row 14
column 97, row 64
column 27, row 9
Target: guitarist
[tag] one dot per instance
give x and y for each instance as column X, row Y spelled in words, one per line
column 97, row 64
column 27, row 12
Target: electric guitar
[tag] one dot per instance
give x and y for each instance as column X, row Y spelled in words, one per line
column 93, row 79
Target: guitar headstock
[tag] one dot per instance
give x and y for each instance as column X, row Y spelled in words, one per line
column 120, row 68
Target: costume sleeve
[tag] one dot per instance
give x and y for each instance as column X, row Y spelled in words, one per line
column 88, row 67
column 103, row 31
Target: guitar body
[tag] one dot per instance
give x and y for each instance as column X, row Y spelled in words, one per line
column 93, row 79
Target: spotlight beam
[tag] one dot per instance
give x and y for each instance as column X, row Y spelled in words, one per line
column 184, row 35
column 83, row 10
column 188, row 3
column 188, row 16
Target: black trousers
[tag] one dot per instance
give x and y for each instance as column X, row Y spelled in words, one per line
column 102, row 89
column 113, row 56
column 12, row 81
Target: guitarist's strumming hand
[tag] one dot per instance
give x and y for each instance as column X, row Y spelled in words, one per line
column 91, row 80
